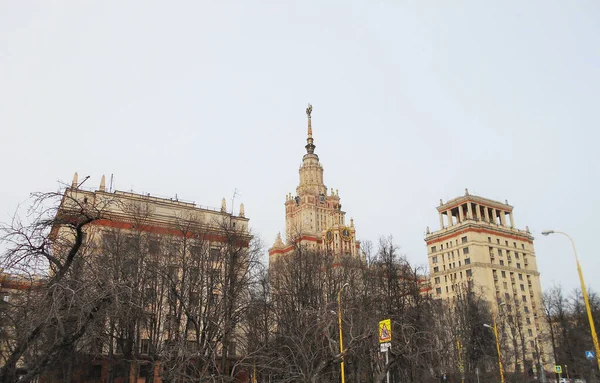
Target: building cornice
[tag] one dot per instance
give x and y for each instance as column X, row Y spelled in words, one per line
column 451, row 204
column 478, row 227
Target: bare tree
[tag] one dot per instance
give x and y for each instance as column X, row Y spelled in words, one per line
column 62, row 306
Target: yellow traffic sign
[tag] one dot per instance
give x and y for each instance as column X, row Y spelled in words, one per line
column 385, row 331
column 558, row 369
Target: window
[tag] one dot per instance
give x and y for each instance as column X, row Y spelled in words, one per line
column 514, row 244
column 231, row 350
column 500, row 252
column 465, row 250
column 442, row 246
column 520, row 277
column 463, row 239
column 437, row 280
column 518, row 265
column 215, row 274
column 523, row 298
column 501, row 262
column 150, row 295
column 194, row 299
column 436, row 269
column 498, row 241
column 505, row 285
column 194, row 275
column 145, row 346
column 506, row 242
column 433, row 249
column 469, row 273
column 530, row 332
column 467, row 261
column 503, row 274
column 434, row 259
column 490, row 239
column 528, row 320
column 214, row 253
column 516, row 255
column 446, row 288
column 438, row 291
column 526, row 309
column 173, row 273
column 523, row 246
column 522, row 287
column 458, row 263
column 153, row 247
column 507, row 296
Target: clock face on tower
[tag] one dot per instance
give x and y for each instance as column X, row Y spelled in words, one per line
column 329, row 236
column 345, row 234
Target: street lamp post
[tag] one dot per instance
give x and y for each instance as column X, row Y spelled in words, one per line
column 584, row 292
column 339, row 297
column 495, row 328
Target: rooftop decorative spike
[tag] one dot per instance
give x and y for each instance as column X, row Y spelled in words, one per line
column 75, row 180
column 310, row 147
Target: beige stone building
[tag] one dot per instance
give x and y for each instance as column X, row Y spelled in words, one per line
column 479, row 244
column 183, row 248
column 313, row 216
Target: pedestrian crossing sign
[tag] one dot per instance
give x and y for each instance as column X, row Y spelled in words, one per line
column 385, row 331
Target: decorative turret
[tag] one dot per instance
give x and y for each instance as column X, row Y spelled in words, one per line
column 242, row 212
column 278, row 242
column 223, row 205
column 102, row 183
column 75, row 180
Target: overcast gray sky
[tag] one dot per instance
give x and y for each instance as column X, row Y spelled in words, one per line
column 413, row 101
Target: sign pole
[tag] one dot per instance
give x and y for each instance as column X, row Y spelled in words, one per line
column 387, row 362
column 385, row 341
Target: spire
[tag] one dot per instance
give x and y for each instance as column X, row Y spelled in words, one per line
column 103, row 183
column 310, row 147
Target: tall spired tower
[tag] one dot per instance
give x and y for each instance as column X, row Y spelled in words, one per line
column 313, row 216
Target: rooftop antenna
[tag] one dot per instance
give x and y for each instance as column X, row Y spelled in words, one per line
column 235, row 193
column 81, row 183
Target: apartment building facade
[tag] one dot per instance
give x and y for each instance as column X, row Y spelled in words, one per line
column 479, row 248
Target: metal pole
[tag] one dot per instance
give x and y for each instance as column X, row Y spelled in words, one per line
column 498, row 349
column 460, row 366
column 341, row 338
column 586, row 300
column 387, row 362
